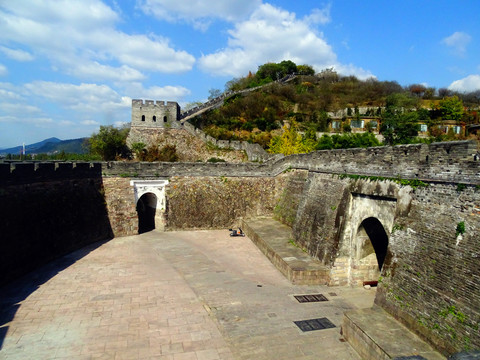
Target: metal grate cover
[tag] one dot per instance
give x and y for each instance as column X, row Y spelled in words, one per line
column 310, row 298
column 314, row 324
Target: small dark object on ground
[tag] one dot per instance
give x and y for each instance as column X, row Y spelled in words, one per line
column 314, row 324
column 371, row 283
column 310, row 298
column 235, row 232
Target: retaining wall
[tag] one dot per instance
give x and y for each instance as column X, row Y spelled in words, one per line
column 48, row 210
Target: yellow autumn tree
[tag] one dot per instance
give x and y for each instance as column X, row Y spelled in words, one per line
column 291, row 142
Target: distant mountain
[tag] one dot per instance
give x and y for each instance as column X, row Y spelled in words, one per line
column 50, row 145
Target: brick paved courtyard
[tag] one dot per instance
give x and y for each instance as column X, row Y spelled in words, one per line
column 169, row 295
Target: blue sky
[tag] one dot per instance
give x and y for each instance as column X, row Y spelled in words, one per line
column 69, row 66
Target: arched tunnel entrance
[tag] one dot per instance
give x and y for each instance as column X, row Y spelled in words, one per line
column 146, row 209
column 150, row 204
column 371, row 248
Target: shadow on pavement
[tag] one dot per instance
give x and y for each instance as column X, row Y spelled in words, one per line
column 12, row 294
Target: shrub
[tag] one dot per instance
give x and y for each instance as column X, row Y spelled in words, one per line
column 215, row 160
column 168, row 153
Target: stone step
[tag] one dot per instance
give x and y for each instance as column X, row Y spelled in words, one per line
column 375, row 334
column 274, row 239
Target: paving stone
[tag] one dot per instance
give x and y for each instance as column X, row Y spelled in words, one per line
column 169, row 295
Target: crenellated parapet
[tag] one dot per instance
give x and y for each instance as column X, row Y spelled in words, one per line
column 32, row 172
column 453, row 162
column 156, row 114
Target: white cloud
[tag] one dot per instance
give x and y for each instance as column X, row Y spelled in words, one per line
column 3, row 70
column 19, row 108
column 351, row 69
column 7, row 94
column 198, row 13
column 272, row 35
column 95, row 71
column 90, row 122
column 66, row 123
column 458, row 41
column 319, row 16
column 79, row 37
column 171, row 93
column 467, row 84
column 81, row 98
column 7, row 119
column 16, row 54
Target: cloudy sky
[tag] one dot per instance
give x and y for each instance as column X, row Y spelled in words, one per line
column 69, row 66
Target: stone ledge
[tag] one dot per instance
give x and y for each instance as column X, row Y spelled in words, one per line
column 375, row 334
column 272, row 238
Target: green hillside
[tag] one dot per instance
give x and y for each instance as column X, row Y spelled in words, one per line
column 309, row 101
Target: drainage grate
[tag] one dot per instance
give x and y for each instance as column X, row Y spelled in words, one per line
column 314, row 324
column 310, row 298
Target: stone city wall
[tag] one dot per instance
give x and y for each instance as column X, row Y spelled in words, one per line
column 220, row 202
column 430, row 278
column 189, row 148
column 254, row 151
column 48, row 210
column 457, row 161
column 432, row 283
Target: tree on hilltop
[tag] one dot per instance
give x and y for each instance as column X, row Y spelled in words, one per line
column 451, row 108
column 305, row 70
column 110, row 143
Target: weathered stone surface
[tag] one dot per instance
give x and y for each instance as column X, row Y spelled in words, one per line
column 433, row 279
column 189, row 147
column 430, row 279
column 219, row 202
column 43, row 220
column 120, row 201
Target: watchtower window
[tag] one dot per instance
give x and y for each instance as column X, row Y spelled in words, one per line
column 154, row 118
column 164, row 119
column 143, row 117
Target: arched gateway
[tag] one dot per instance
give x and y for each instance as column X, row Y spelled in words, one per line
column 150, row 203
column 363, row 248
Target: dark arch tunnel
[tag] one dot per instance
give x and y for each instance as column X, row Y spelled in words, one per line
column 146, row 208
column 378, row 237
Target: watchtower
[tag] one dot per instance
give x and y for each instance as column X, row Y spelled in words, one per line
column 151, row 114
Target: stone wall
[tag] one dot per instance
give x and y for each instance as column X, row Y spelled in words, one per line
column 288, row 202
column 254, row 151
column 321, row 215
column 456, row 161
column 220, row 202
column 120, row 201
column 47, row 212
column 432, row 283
column 157, row 114
column 189, row 148
column 430, row 278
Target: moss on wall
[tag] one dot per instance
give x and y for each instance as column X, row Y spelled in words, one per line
column 219, row 202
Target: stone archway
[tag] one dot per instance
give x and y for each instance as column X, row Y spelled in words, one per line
column 150, row 203
column 364, row 239
column 371, row 245
column 146, row 209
